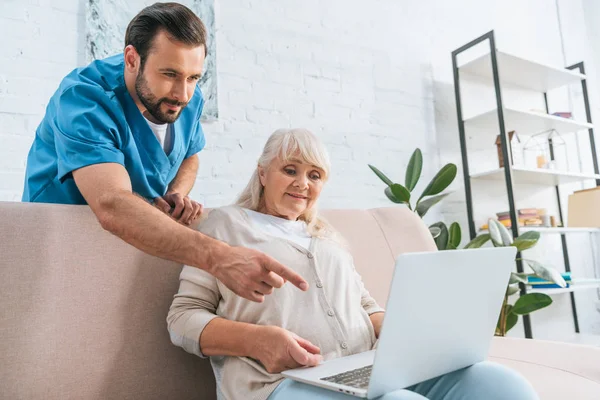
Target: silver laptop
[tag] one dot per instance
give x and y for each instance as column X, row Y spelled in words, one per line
column 441, row 316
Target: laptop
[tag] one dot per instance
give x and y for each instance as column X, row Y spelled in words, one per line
column 441, row 315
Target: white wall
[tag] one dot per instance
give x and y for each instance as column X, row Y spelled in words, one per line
column 373, row 79
column 342, row 69
column 41, row 42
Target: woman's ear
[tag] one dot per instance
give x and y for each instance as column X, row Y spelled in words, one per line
column 261, row 175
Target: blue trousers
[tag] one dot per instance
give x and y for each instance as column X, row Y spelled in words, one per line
column 482, row 381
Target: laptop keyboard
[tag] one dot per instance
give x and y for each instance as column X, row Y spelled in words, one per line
column 358, row 378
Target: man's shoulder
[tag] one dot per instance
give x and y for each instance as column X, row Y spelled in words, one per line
column 100, row 78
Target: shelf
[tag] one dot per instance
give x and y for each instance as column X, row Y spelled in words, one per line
column 522, row 72
column 536, row 176
column 549, row 230
column 523, row 122
column 586, row 284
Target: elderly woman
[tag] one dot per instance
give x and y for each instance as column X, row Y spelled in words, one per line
column 250, row 343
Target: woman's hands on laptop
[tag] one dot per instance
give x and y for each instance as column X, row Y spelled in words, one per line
column 279, row 349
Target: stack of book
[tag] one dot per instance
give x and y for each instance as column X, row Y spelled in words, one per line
column 526, row 216
column 539, row 283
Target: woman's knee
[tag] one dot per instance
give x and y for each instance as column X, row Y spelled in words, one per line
column 497, row 382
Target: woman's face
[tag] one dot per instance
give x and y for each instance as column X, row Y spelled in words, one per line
column 290, row 188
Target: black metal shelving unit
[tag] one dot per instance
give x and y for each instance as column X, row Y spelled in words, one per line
column 508, row 167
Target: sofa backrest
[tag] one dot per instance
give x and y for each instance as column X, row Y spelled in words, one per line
column 83, row 313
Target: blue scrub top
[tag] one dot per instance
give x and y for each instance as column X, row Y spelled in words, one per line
column 92, row 119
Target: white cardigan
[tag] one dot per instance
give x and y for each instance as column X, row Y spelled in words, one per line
column 333, row 314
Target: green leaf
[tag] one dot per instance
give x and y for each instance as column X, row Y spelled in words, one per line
column 381, row 175
column 413, row 171
column 516, row 278
column 441, row 241
column 478, row 241
column 511, row 321
column 435, row 231
column 455, row 235
column 531, row 302
column 440, row 181
column 495, row 233
column 512, row 289
column 424, row 205
column 390, row 195
column 400, row 192
column 547, row 273
column 511, row 318
column 507, row 239
column 526, row 240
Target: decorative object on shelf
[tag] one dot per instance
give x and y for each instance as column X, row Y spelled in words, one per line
column 546, row 150
column 563, row 114
column 584, row 209
column 544, row 217
column 515, row 148
column 529, row 302
column 445, row 238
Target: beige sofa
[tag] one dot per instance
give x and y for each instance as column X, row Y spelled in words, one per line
column 83, row 313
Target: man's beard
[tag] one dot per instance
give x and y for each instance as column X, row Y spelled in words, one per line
column 153, row 105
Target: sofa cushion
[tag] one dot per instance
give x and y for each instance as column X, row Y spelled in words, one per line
column 556, row 370
column 84, row 313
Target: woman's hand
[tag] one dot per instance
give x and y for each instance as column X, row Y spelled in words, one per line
column 377, row 321
column 279, row 349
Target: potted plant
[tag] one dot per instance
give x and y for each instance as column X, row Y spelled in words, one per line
column 526, row 303
column 450, row 238
column 445, row 238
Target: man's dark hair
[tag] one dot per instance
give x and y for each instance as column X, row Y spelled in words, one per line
column 179, row 22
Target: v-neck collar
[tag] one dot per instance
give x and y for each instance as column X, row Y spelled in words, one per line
column 148, row 142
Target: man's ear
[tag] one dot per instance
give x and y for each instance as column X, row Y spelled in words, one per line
column 132, row 58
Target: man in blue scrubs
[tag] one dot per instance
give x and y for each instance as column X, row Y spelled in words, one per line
column 124, row 132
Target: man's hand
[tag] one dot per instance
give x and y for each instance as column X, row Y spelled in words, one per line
column 180, row 207
column 279, row 349
column 250, row 273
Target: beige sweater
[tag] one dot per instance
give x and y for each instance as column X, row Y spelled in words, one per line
column 333, row 314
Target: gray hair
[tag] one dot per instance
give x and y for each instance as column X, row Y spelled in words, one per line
column 287, row 144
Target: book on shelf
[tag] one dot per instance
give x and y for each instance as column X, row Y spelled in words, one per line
column 522, row 223
column 550, row 286
column 538, row 282
column 523, row 212
column 525, row 216
column 563, row 114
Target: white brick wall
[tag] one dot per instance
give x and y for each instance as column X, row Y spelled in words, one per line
column 344, row 70
column 373, row 79
column 41, row 42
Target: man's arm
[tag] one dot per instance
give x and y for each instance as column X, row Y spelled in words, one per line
column 186, row 176
column 107, row 190
column 248, row 273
